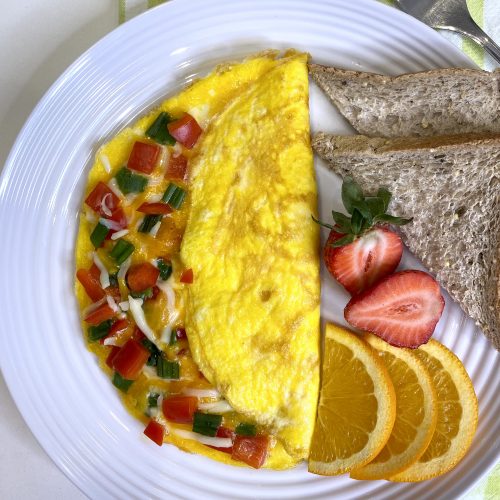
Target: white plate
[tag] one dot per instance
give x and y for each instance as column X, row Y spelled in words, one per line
column 69, row 404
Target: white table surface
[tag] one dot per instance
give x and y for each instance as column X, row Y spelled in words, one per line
column 39, row 39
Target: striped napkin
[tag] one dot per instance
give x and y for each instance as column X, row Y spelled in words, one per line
column 486, row 13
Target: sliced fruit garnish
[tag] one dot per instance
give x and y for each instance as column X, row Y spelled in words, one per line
column 403, row 308
column 357, row 405
column 457, row 414
column 416, row 412
column 369, row 258
column 360, row 249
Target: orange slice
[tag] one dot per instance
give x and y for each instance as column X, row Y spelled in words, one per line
column 457, row 414
column 357, row 405
column 416, row 412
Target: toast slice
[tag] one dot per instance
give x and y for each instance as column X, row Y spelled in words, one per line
column 450, row 185
column 440, row 101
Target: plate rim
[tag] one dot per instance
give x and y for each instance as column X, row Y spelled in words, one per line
column 62, row 81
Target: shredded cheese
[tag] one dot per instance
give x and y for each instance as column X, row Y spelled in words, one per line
column 210, row 441
column 110, row 341
column 166, row 334
column 140, row 319
column 166, row 288
column 112, row 304
column 217, row 407
column 104, row 276
column 111, row 224
column 201, row 393
column 119, row 234
column 122, row 272
column 124, row 306
column 105, row 207
column 105, row 162
column 113, row 185
column 93, row 307
column 155, row 229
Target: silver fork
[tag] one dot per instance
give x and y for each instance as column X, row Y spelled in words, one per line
column 450, row 15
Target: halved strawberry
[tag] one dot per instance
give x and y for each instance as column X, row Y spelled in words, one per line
column 402, row 309
column 365, row 261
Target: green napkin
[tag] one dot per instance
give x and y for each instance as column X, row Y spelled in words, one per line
column 486, row 13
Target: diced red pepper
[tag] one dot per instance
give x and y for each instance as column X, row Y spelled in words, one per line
column 142, row 276
column 251, row 450
column 185, row 130
column 155, row 432
column 89, row 278
column 143, row 157
column 177, row 167
column 187, row 276
column 138, row 335
column 180, row 409
column 180, row 333
column 102, row 196
column 117, row 327
column 157, row 208
column 102, row 313
column 155, row 291
column 112, row 354
column 224, row 432
column 130, row 360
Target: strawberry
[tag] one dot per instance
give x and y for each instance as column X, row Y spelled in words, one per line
column 402, row 309
column 365, row 261
column 360, row 249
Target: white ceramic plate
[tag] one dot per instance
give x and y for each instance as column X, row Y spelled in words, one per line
column 71, row 406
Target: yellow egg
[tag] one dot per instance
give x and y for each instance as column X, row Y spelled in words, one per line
column 253, row 309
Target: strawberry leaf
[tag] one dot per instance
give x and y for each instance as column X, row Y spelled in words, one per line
column 345, row 240
column 385, row 195
column 391, row 219
column 329, row 226
column 342, row 221
column 364, row 210
column 357, row 221
column 376, row 206
column 351, row 194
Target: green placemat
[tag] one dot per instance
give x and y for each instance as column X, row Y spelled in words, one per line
column 486, row 13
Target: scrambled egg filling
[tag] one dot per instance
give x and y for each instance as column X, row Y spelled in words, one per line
column 251, row 313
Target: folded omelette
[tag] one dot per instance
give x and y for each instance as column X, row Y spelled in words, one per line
column 222, row 347
column 252, row 312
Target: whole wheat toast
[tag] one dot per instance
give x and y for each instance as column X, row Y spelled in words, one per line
column 434, row 102
column 450, row 185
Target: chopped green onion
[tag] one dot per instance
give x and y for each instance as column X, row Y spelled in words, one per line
column 206, row 423
column 165, row 268
column 155, row 352
column 99, row 331
column 121, row 383
column 158, row 131
column 153, row 399
column 145, row 294
column 245, row 429
column 99, row 234
column 149, row 222
column 174, row 196
column 129, row 182
column 173, row 338
column 113, row 279
column 167, row 369
column 122, row 251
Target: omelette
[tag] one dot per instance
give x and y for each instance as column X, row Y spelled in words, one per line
column 198, row 265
